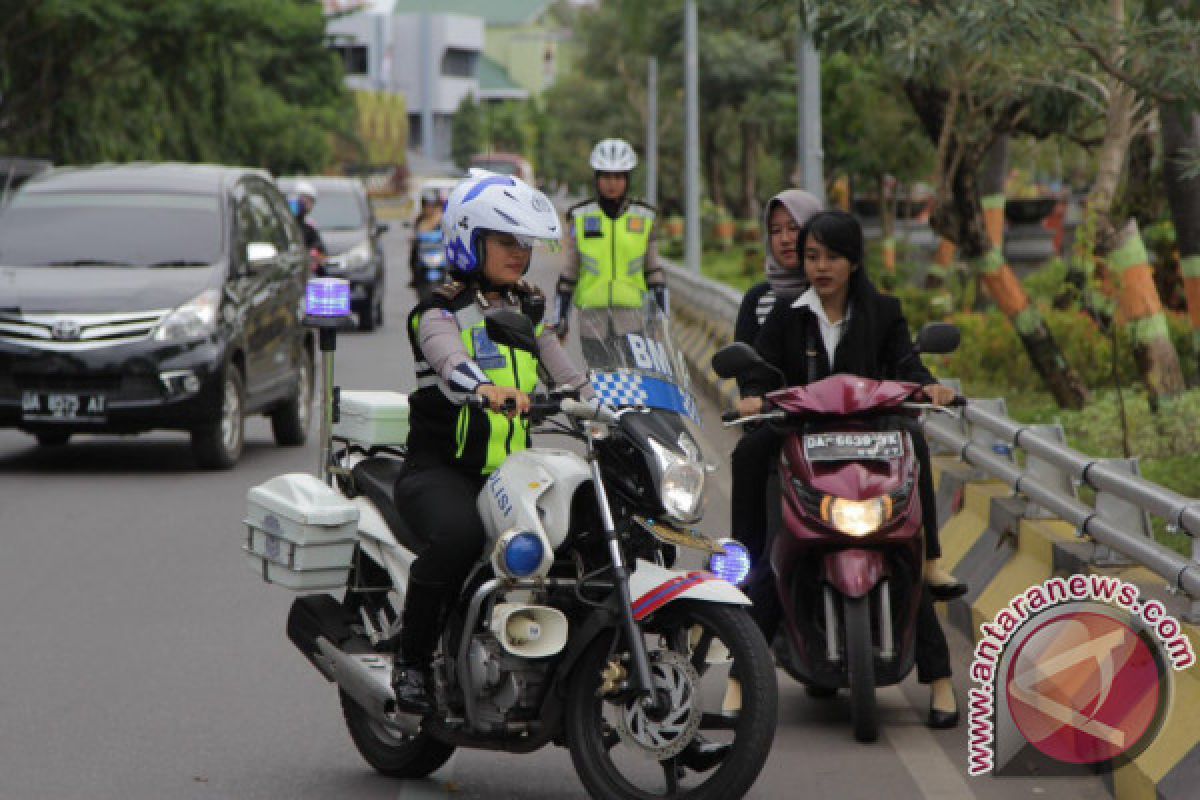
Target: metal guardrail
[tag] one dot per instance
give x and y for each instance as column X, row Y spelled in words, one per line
column 985, row 439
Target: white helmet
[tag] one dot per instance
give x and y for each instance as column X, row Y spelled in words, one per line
column 305, row 188
column 613, row 155
column 486, row 201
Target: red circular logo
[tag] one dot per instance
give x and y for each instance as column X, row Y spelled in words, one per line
column 1083, row 688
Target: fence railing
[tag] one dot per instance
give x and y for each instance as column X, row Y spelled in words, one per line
column 985, row 438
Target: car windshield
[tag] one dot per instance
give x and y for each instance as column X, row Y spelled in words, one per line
column 123, row 229
column 338, row 211
column 633, row 359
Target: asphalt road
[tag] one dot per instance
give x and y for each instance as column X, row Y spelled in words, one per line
column 141, row 658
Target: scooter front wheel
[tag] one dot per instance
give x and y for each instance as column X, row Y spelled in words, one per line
column 860, row 662
column 714, row 676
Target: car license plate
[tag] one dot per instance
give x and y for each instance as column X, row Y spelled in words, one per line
column 85, row 407
column 864, row 446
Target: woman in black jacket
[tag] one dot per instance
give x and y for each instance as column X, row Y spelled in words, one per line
column 842, row 324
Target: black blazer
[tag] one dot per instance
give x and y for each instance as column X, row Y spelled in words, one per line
column 875, row 344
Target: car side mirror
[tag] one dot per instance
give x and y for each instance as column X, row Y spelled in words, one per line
column 259, row 253
column 512, row 329
column 938, row 338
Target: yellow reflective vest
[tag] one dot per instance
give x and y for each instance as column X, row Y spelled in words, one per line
column 466, row 437
column 612, row 255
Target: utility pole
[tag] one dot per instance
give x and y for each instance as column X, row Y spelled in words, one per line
column 692, row 140
column 427, row 84
column 652, row 131
column 808, row 143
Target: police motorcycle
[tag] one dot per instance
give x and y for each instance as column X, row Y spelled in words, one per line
column 577, row 626
column 430, row 270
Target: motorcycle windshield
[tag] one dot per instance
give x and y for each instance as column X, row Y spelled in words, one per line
column 634, row 362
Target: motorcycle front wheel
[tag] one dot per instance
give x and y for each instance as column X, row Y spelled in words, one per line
column 713, row 672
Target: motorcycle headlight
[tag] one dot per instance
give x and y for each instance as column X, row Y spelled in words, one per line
column 681, row 484
column 356, row 257
column 195, row 318
column 856, row 517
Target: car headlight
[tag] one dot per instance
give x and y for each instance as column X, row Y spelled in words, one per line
column 356, row 257
column 856, row 517
column 681, row 484
column 195, row 318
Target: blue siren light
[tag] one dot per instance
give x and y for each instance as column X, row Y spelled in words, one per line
column 733, row 565
column 327, row 297
column 523, row 554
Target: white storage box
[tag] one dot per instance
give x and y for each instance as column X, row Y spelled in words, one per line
column 371, row 418
column 300, row 533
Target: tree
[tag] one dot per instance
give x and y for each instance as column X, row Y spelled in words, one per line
column 960, row 71
column 466, row 131
column 235, row 81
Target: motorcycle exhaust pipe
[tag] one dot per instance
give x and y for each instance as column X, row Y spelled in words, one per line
column 315, row 623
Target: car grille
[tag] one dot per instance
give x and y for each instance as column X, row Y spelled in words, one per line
column 74, row 332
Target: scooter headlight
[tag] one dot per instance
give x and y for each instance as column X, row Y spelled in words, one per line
column 682, row 482
column 856, row 517
column 733, row 565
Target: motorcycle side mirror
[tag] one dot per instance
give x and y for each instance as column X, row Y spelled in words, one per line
column 512, row 329
column 939, row 338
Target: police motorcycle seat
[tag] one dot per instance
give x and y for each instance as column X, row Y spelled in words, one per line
column 376, row 478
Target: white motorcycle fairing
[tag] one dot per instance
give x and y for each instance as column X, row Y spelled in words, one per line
column 533, row 491
column 653, row 587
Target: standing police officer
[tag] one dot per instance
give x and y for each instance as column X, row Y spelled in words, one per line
column 611, row 258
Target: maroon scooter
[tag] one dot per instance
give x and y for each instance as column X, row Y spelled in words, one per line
column 847, row 539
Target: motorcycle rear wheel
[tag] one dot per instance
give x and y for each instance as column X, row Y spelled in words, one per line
column 860, row 662
column 390, row 752
column 695, row 631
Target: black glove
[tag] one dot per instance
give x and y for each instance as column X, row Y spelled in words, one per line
column 562, row 309
column 662, row 296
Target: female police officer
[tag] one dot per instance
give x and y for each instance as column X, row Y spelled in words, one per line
column 491, row 223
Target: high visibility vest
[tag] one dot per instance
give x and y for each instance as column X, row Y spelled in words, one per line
column 612, row 252
column 468, row 438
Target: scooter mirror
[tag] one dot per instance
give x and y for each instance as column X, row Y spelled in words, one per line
column 512, row 329
column 938, row 337
column 734, row 359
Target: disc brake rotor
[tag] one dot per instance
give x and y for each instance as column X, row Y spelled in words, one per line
column 676, row 680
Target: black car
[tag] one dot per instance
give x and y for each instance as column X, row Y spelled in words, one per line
column 344, row 218
column 153, row 296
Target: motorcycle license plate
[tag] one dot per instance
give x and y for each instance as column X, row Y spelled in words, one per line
column 864, row 446
column 63, row 407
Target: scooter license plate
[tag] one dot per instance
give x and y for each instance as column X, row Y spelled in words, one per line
column 861, row 446
column 62, row 407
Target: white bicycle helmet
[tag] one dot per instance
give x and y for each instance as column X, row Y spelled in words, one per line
column 305, row 188
column 613, row 155
column 486, row 201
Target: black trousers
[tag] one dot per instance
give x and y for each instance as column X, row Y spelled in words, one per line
column 757, row 453
column 438, row 504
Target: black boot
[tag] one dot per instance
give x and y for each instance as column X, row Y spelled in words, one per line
column 419, row 627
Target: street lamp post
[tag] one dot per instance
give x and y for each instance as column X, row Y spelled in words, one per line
column 692, row 140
